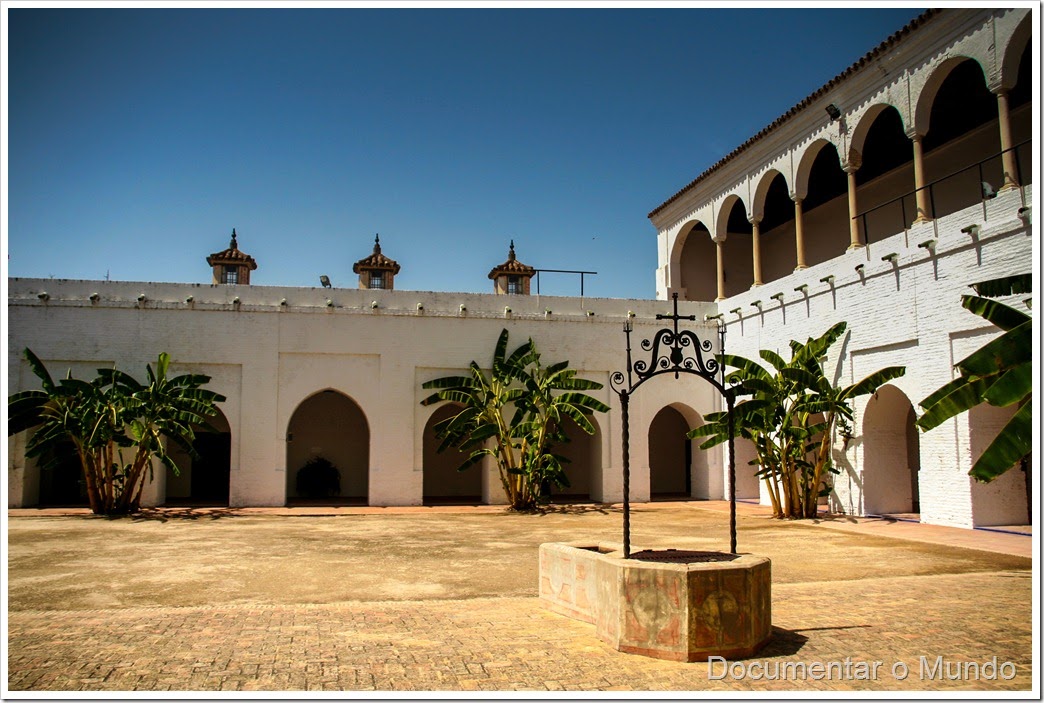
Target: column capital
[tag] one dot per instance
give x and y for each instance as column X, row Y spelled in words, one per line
column 853, row 162
column 797, row 198
column 913, row 135
column 719, row 239
column 997, row 87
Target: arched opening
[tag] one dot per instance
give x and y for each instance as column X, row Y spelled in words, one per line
column 886, row 173
column 203, row 480
column 1003, row 500
column 778, row 248
column 678, row 468
column 443, row 483
column 328, row 437
column 670, row 456
column 584, row 454
column 891, row 455
column 825, row 207
column 738, row 249
column 698, row 264
column 61, row 477
column 962, row 131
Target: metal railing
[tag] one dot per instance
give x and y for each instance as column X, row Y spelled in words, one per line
column 985, row 189
column 582, row 274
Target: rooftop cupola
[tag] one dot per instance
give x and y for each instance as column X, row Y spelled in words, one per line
column 232, row 266
column 512, row 276
column 376, row 271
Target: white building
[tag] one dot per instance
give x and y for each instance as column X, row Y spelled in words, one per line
column 874, row 213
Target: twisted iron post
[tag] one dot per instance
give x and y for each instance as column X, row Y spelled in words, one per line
column 624, row 406
column 732, row 473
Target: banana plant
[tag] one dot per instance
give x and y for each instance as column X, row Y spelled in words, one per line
column 515, row 413
column 1000, row 373
column 791, row 419
column 110, row 417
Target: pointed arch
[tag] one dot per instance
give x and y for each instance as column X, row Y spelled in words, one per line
column 329, row 425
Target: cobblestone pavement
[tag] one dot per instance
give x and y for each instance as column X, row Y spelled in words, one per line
column 488, row 643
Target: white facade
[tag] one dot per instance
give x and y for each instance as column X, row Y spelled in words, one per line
column 895, row 275
column 267, row 358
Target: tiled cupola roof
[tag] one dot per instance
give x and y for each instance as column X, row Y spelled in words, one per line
column 512, row 267
column 376, row 261
column 232, row 255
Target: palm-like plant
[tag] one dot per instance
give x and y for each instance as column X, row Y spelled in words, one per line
column 522, row 444
column 782, row 419
column 551, row 400
column 108, row 415
column 1000, row 373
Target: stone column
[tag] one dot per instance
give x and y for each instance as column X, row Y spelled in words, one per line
column 756, row 249
column 719, row 245
column 922, row 192
column 850, row 169
column 1007, row 156
column 799, row 235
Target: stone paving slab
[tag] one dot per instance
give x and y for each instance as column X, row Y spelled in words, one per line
column 494, row 644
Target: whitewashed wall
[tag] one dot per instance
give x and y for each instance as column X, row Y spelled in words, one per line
column 267, row 358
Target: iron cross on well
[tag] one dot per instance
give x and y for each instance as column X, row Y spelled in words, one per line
column 676, row 352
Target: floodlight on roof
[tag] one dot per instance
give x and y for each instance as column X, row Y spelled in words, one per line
column 325, row 280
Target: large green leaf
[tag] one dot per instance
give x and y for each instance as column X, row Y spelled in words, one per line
column 773, row 358
column 1009, row 447
column 1013, row 386
column 1010, row 349
column 1007, row 285
column 1003, row 316
column 961, row 398
column 871, row 383
column 39, row 369
column 944, row 391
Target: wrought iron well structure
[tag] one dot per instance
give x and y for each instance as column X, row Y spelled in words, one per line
column 676, row 352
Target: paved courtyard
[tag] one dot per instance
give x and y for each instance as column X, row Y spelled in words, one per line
column 357, row 599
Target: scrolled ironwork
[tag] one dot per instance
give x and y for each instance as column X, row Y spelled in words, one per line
column 674, row 351
column 678, row 352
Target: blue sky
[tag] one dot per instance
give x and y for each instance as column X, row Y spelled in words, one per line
column 138, row 138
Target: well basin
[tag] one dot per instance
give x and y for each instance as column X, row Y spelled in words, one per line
column 682, row 606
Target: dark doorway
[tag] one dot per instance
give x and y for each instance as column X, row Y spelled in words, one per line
column 61, row 478
column 212, row 470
